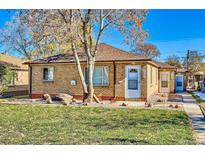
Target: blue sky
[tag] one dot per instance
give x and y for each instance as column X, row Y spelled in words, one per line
column 172, row 31
column 5, row 15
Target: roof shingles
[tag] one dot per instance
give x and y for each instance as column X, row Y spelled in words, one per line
column 164, row 65
column 105, row 53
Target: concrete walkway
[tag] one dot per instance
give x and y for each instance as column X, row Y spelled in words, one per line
column 196, row 117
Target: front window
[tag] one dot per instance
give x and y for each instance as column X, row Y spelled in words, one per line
column 48, row 74
column 165, row 84
column 179, row 83
column 164, row 80
column 133, row 79
column 100, row 76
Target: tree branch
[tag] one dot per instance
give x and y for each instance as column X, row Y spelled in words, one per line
column 63, row 16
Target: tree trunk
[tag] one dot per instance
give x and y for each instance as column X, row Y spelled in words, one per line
column 90, row 62
column 90, row 95
column 90, row 80
column 85, row 90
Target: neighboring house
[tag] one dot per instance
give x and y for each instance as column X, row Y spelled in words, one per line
column 166, row 77
column 118, row 75
column 181, row 80
column 198, row 79
column 19, row 82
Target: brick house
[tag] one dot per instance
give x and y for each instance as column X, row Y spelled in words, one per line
column 166, row 77
column 118, row 75
column 181, row 79
column 19, row 81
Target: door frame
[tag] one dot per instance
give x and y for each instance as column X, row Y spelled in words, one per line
column 168, row 88
column 139, row 80
column 182, row 82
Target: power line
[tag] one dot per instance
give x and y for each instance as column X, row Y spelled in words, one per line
column 183, row 57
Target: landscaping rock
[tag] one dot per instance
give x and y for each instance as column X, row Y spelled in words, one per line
column 103, row 103
column 48, row 99
column 170, row 105
column 124, row 104
column 85, row 104
column 65, row 99
column 74, row 100
column 176, row 106
column 149, row 105
column 159, row 100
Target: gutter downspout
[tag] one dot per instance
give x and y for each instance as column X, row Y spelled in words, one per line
column 30, row 80
column 114, row 78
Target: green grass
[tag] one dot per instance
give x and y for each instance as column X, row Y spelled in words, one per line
column 199, row 100
column 35, row 124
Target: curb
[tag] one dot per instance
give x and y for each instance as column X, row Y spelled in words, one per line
column 202, row 109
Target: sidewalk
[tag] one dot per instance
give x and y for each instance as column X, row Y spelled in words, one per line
column 197, row 118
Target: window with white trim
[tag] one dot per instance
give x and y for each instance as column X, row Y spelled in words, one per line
column 100, row 76
column 133, row 78
column 48, row 74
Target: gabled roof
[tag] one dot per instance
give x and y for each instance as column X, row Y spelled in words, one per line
column 106, row 53
column 181, row 70
column 164, row 65
column 12, row 62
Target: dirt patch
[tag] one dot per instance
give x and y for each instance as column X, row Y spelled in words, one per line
column 169, row 105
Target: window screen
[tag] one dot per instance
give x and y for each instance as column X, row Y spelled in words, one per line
column 100, row 76
column 48, row 74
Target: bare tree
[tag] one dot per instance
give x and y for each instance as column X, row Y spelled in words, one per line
column 194, row 61
column 15, row 37
column 145, row 49
column 174, row 61
column 30, row 42
column 85, row 28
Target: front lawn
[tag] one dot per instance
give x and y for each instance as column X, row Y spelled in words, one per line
column 35, row 124
column 199, row 100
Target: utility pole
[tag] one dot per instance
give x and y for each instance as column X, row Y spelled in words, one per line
column 187, row 60
column 187, row 65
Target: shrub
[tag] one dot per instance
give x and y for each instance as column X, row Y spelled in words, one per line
column 6, row 76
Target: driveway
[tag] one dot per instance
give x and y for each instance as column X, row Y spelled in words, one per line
column 196, row 117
